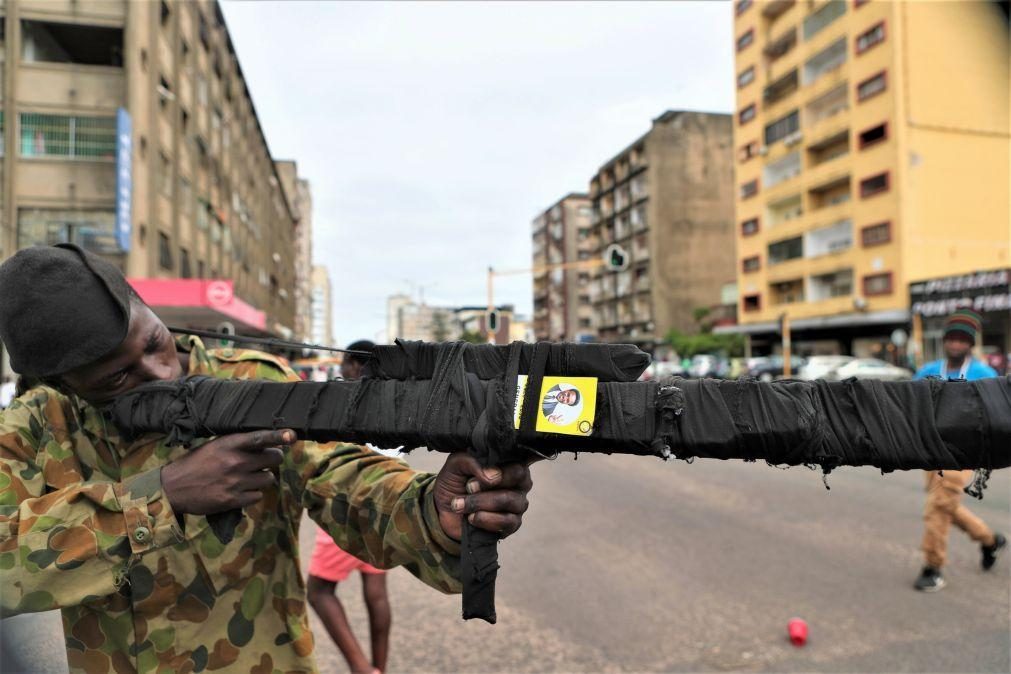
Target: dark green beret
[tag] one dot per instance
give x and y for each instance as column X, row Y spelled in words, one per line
column 60, row 308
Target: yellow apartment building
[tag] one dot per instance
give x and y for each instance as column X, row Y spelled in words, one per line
column 872, row 156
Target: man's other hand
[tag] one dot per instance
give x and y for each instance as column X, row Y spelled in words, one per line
column 226, row 473
column 490, row 498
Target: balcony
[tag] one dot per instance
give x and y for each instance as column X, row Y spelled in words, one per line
column 830, row 192
column 825, row 61
column 785, row 210
column 826, row 286
column 826, row 150
column 827, row 105
column 100, row 88
column 775, row 9
column 780, row 89
column 787, row 292
column 781, row 45
column 823, row 18
column 786, row 250
column 834, row 238
column 781, row 170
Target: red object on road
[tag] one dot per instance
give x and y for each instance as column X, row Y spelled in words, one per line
column 798, row 631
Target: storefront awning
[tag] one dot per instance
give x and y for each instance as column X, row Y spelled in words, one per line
column 851, row 320
column 200, row 303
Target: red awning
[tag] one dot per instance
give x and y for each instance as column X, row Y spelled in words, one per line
column 199, row 303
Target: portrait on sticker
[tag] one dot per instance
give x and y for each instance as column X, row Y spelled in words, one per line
column 562, row 404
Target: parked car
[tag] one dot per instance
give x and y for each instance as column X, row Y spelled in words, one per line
column 817, row 367
column 660, row 369
column 708, row 365
column 869, row 368
column 771, row 368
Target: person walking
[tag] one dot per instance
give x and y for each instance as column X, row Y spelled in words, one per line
column 329, row 566
column 944, row 488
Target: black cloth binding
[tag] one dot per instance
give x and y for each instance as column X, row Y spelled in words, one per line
column 930, row 424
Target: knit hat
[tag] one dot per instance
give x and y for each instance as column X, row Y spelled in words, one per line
column 60, row 308
column 965, row 321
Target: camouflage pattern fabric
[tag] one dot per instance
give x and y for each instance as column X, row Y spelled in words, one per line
column 85, row 527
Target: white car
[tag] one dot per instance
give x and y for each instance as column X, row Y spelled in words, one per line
column 869, row 368
column 817, row 367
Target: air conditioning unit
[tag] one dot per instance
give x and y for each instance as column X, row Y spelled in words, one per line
column 793, row 138
column 764, row 150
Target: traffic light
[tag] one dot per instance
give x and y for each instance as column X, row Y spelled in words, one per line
column 492, row 319
column 616, row 258
column 227, row 329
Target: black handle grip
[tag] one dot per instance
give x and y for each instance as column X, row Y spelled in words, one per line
column 478, row 570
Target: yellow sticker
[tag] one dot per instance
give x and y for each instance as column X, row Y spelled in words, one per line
column 568, row 404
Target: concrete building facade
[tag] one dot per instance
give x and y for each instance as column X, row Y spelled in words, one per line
column 667, row 201
column 128, row 128
column 299, row 196
column 320, row 307
column 872, row 143
column 562, row 234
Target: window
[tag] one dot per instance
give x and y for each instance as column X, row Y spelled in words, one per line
column 749, row 227
column 94, row 231
column 164, row 251
column 875, row 134
column 166, row 13
column 48, row 42
column 857, row 4
column 815, row 23
column 831, row 239
column 184, row 263
column 746, row 115
column 790, row 249
column 878, row 284
column 165, row 174
column 200, row 269
column 749, row 189
column 748, row 151
column 752, row 302
column 782, row 127
column 871, row 37
column 63, row 136
column 875, row 184
column 164, row 92
column 746, row 77
column 749, row 264
column 184, row 47
column 872, row 86
column 204, row 32
column 875, row 235
column 744, row 41
column 741, row 6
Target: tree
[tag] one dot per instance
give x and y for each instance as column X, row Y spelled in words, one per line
column 440, row 329
column 687, row 346
column 473, row 337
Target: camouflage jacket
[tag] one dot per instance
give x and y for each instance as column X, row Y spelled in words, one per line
column 85, row 527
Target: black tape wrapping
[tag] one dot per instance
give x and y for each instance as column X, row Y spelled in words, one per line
column 931, row 424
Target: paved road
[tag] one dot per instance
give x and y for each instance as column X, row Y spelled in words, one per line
column 635, row 565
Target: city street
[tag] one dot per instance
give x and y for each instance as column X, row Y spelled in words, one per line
column 627, row 564
column 632, row 564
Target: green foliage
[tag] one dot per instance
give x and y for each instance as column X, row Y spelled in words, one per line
column 686, row 346
column 473, row 337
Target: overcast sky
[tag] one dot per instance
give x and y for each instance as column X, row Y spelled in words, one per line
column 433, row 133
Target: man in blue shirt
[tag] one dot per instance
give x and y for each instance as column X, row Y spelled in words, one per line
column 944, row 488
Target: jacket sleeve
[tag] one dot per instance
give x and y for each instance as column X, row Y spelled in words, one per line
column 374, row 506
column 64, row 546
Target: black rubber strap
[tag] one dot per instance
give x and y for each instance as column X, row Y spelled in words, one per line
column 532, row 397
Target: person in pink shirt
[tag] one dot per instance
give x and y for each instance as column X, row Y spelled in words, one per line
column 330, row 565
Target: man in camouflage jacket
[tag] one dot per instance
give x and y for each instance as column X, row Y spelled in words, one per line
column 114, row 533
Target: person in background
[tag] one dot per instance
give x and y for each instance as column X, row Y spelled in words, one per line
column 944, row 488
column 329, row 565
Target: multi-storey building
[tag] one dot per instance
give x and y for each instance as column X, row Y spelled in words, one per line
column 320, row 307
column 300, row 198
column 667, row 201
column 128, row 128
column 562, row 234
column 872, row 153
